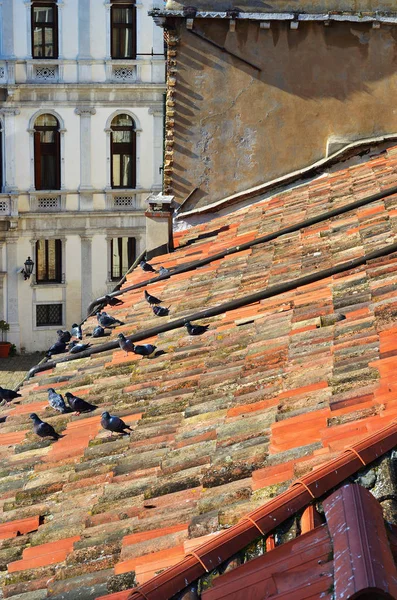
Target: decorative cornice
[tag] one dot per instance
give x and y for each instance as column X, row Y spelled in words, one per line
column 10, row 111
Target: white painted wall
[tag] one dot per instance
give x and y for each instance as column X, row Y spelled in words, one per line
column 83, row 78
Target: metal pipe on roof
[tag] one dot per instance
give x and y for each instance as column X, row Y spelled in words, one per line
column 274, row 290
column 260, row 240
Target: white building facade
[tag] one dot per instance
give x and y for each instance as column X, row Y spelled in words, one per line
column 81, row 126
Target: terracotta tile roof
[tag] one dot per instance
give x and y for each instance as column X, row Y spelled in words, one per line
column 224, row 422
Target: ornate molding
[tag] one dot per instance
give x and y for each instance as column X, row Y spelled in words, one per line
column 85, row 111
column 10, row 111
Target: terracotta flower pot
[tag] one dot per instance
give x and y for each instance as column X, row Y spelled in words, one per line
column 4, row 349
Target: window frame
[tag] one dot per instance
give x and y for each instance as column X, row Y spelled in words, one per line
column 124, row 149
column 123, row 26
column 58, row 262
column 53, row 26
column 41, row 150
column 131, row 252
column 49, row 325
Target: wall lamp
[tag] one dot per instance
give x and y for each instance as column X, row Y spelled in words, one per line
column 28, row 268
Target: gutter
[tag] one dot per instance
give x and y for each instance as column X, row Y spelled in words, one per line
column 270, row 292
column 263, row 520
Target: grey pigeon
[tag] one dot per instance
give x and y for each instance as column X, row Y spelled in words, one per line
column 106, row 320
column 125, row 344
column 8, row 395
column 56, row 401
column 43, row 429
column 144, row 349
column 98, row 332
column 113, row 301
column 145, row 266
column 151, row 299
column 161, row 311
column 163, row 271
column 76, row 331
column 76, row 347
column 195, row 329
column 78, row 404
column 63, row 336
column 57, row 348
column 113, row 423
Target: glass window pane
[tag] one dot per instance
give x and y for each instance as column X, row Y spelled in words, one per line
column 121, row 137
column 40, row 266
column 116, row 170
column 48, row 172
column 116, row 270
column 37, row 47
column 46, row 121
column 115, row 42
column 127, row 170
column 122, row 15
column 43, row 14
column 124, row 258
column 49, row 42
column 47, row 137
column 122, row 121
column 126, row 43
column 51, row 260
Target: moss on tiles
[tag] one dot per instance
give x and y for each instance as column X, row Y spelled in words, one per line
column 118, row 583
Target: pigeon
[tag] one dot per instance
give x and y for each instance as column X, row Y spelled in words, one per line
column 144, row 349
column 106, row 320
column 57, row 348
column 195, row 329
column 8, row 395
column 125, row 344
column 98, row 332
column 161, row 311
column 163, row 271
column 113, row 301
column 151, row 299
column 78, row 404
column 56, row 401
column 145, row 266
column 76, row 347
column 43, row 429
column 76, row 331
column 113, row 423
column 63, row 336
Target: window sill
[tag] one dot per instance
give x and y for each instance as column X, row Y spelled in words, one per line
column 49, row 284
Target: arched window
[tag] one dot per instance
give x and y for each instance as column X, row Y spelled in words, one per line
column 44, row 30
column 47, row 155
column 123, row 152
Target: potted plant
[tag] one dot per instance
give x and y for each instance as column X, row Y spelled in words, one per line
column 4, row 345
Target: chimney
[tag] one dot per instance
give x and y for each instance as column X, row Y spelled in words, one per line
column 159, row 238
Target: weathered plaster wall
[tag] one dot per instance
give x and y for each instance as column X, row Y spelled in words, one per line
column 237, row 126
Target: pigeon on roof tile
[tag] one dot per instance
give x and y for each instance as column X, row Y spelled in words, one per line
column 78, row 404
column 151, row 299
column 106, row 320
column 76, row 347
column 43, row 429
column 145, row 266
column 161, row 311
column 8, row 395
column 63, row 336
column 98, row 331
column 76, row 331
column 163, row 271
column 113, row 301
column 125, row 344
column 57, row 348
column 195, row 329
column 113, row 423
column 56, row 401
column 144, row 349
